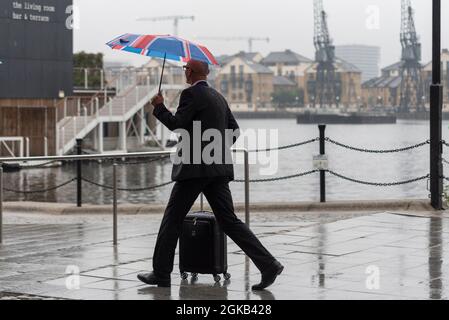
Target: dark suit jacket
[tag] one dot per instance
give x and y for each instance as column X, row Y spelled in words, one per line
column 201, row 103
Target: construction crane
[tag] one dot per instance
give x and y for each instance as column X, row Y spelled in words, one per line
column 412, row 88
column 249, row 39
column 174, row 18
column 325, row 89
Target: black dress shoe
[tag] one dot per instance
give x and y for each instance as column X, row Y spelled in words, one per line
column 269, row 276
column 152, row 279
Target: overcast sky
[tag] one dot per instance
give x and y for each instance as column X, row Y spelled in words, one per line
column 288, row 23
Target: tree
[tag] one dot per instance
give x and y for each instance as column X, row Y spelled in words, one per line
column 288, row 97
column 91, row 61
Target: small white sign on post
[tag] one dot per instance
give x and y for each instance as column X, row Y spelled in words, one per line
column 321, row 162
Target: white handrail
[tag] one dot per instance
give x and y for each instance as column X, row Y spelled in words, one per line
column 27, row 146
column 85, row 117
column 97, row 106
column 62, row 139
column 102, row 116
column 74, row 127
column 78, row 107
column 45, row 146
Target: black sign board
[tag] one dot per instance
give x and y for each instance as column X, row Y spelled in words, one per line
column 36, row 48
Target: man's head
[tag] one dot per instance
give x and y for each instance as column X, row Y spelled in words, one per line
column 196, row 70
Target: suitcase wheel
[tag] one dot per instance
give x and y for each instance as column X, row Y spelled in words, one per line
column 184, row 275
column 217, row 278
column 194, row 276
column 227, row 276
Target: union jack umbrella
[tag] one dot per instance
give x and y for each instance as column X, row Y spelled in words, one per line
column 163, row 46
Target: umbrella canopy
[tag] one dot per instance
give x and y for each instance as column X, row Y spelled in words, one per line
column 163, row 46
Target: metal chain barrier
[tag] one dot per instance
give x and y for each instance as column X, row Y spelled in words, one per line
column 377, row 151
column 285, row 147
column 280, row 178
column 42, row 191
column 377, row 184
column 445, row 143
column 127, row 189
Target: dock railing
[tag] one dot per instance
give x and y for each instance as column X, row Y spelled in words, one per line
column 115, row 189
column 320, row 165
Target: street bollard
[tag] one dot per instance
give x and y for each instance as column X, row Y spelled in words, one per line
column 114, row 203
column 79, row 191
column 322, row 129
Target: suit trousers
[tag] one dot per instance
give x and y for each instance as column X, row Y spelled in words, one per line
column 216, row 190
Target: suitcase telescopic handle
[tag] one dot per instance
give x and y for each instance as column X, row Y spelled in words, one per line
column 201, row 202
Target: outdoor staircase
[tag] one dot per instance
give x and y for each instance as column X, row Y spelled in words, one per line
column 119, row 109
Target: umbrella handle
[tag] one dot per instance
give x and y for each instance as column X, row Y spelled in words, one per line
column 162, row 73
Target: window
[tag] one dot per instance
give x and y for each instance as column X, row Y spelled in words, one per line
column 224, row 86
column 241, row 77
column 233, row 77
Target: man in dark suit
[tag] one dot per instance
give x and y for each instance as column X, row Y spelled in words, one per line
column 201, row 104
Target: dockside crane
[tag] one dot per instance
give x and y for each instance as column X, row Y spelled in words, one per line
column 250, row 40
column 175, row 20
column 412, row 86
column 325, row 89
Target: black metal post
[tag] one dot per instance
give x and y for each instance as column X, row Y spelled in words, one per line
column 114, row 203
column 322, row 128
column 79, row 190
column 436, row 105
column 1, row 203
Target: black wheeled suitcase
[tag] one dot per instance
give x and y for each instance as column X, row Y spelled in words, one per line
column 202, row 247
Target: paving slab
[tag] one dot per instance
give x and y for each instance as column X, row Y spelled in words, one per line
column 363, row 255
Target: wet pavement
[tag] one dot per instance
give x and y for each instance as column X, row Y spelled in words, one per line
column 326, row 256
